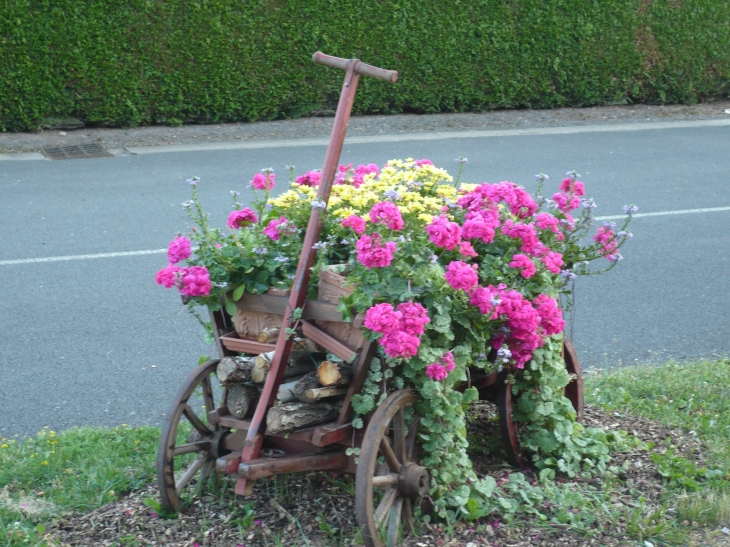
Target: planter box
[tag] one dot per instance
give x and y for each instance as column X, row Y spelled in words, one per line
column 256, row 312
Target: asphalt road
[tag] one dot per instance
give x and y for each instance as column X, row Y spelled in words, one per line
column 94, row 341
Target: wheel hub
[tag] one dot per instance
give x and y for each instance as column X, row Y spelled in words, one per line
column 414, row 481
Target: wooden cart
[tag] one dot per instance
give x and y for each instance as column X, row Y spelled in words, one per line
column 389, row 476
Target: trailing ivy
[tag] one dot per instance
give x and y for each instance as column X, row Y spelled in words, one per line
column 209, row 61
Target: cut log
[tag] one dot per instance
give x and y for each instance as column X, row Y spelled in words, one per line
column 295, row 415
column 268, row 336
column 286, row 391
column 234, row 370
column 307, row 382
column 304, row 344
column 299, row 363
column 241, row 400
column 334, row 374
column 317, row 393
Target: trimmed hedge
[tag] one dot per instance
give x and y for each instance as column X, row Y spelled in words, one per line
column 178, row 61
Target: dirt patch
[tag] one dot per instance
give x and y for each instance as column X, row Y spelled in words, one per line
column 317, row 509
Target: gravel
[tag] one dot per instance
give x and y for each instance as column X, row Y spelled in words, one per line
column 320, row 127
column 290, row 509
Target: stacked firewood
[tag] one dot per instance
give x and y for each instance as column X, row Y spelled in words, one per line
column 311, row 392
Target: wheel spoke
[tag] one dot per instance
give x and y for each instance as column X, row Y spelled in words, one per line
column 382, row 481
column 381, row 512
column 197, row 422
column 208, row 394
column 193, row 468
column 188, row 448
column 394, row 523
column 390, row 457
column 399, row 435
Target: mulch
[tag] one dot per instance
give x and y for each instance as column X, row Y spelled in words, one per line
column 317, row 509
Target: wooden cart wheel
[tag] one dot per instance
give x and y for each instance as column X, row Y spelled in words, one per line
column 506, row 399
column 389, row 480
column 574, row 389
column 185, row 460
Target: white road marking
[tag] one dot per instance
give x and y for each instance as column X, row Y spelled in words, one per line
column 665, row 213
column 80, row 257
column 404, row 137
column 160, row 251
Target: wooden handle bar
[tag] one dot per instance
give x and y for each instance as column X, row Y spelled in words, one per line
column 360, row 68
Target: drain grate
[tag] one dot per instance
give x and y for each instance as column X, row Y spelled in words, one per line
column 76, row 151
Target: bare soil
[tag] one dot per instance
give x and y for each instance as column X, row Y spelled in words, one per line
column 320, row 127
column 290, row 510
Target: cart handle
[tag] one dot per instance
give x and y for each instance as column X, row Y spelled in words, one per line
column 360, row 67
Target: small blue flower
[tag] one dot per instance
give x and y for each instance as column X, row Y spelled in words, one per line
column 567, row 275
column 573, row 174
column 320, row 245
column 434, row 259
column 627, row 235
column 267, row 170
column 281, row 259
column 615, row 257
column 187, row 204
column 287, row 167
column 461, row 160
column 392, row 195
column 321, row 205
column 260, row 250
column 630, row 209
column 193, row 181
column 589, row 203
column 541, row 177
column 234, row 193
column 611, row 225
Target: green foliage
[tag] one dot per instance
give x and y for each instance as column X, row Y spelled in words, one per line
column 174, row 62
column 78, row 469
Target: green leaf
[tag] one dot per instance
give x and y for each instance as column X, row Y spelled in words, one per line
column 231, row 308
column 238, row 293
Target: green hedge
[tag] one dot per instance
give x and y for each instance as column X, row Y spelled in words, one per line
column 177, row 61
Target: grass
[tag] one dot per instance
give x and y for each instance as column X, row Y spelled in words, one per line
column 79, row 469
column 691, row 396
column 84, row 468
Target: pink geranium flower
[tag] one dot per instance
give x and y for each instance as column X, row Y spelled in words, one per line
column 400, row 345
column 383, row 318
column 372, row 253
column 460, row 275
column 437, row 372
column 356, row 223
column 178, row 250
column 195, row 281
column 275, row 227
column 168, row 276
column 444, row 233
column 466, row 249
column 551, row 316
column 486, row 299
column 414, row 317
column 361, row 171
column 263, row 181
column 481, row 225
column 244, row 217
column 523, row 263
column 389, row 213
column 553, row 261
column 448, row 361
column 310, row 178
